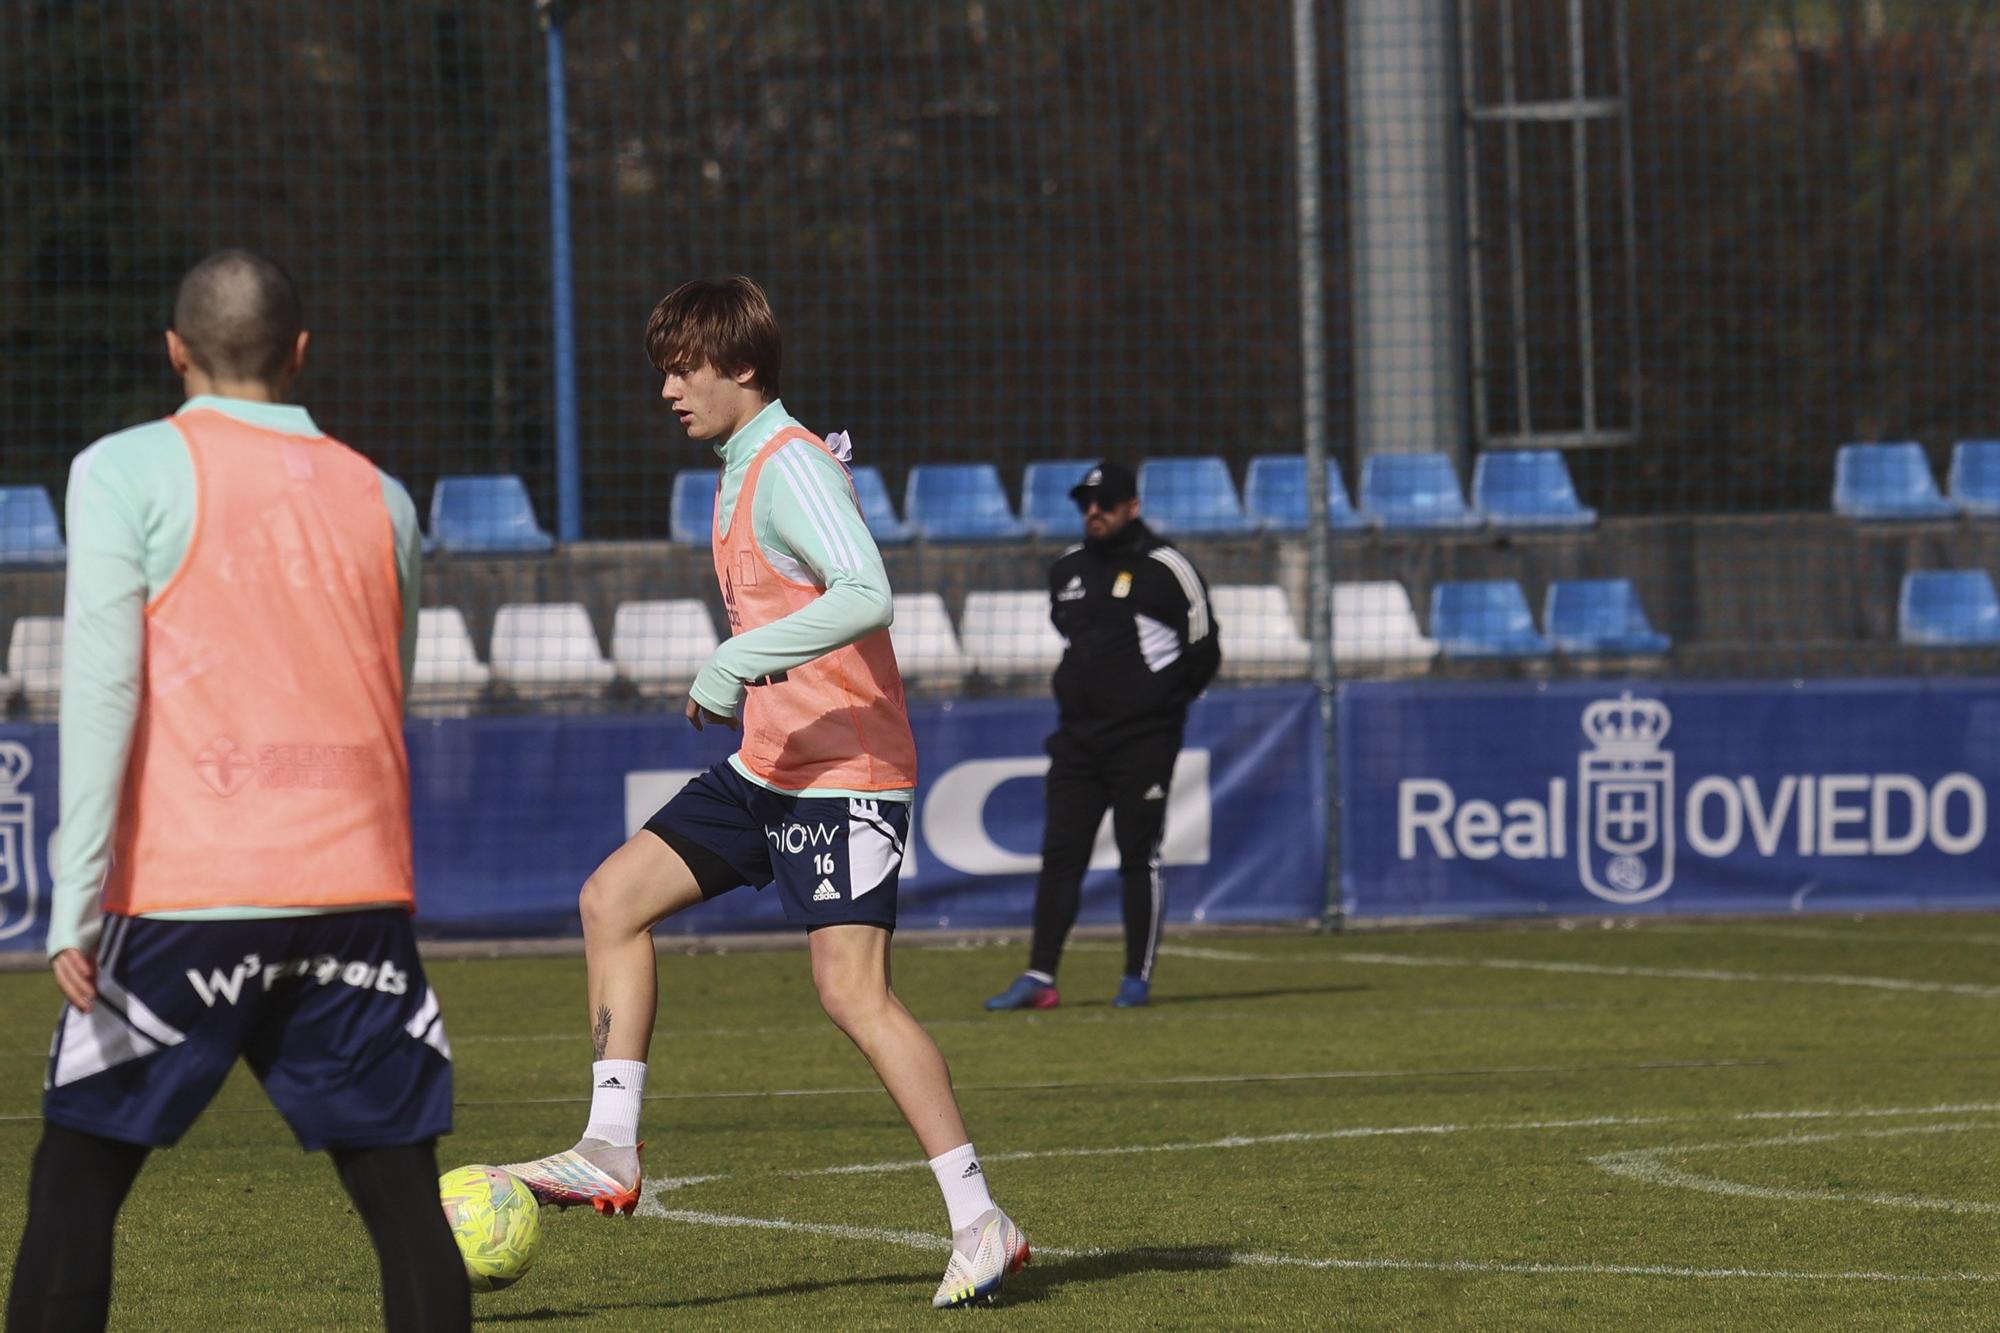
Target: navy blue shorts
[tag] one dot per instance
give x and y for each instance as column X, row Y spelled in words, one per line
column 331, row 1012
column 835, row 859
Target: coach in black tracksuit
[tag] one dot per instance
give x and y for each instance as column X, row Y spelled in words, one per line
column 1141, row 645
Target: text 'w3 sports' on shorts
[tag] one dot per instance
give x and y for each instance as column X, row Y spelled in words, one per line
column 331, row 1012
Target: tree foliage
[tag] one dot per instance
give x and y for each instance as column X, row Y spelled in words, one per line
column 998, row 229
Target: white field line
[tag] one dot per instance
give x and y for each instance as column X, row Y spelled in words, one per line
column 1364, row 959
column 1864, row 1113
column 917, row 1240
column 1973, row 990
column 1647, row 1166
column 1813, row 1113
column 874, row 1089
column 1640, row 1164
column 993, row 1023
column 1677, row 973
column 1171, row 1081
column 1211, row 1012
column 1236, row 1141
column 1821, row 933
column 1179, row 1080
column 1193, row 951
column 1258, row 1140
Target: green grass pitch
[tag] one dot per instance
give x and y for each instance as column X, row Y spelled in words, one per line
column 1677, row 1126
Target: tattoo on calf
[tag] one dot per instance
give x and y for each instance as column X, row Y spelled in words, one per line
column 600, row 1032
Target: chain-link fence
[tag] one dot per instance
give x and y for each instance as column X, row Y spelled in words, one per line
column 1602, row 287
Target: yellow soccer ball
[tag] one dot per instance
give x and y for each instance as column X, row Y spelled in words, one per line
column 496, row 1222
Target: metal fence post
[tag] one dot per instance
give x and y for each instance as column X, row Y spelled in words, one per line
column 562, row 293
column 1313, row 419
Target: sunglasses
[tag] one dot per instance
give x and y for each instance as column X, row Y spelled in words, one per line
column 1086, row 503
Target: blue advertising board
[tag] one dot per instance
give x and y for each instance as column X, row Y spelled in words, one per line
column 1457, row 800
column 1588, row 798
column 511, row 813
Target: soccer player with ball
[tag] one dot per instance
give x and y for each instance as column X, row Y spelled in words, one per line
column 816, row 799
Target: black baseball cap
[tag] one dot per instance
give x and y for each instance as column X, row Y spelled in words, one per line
column 1108, row 483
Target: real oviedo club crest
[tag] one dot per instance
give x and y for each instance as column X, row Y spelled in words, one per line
column 1625, row 801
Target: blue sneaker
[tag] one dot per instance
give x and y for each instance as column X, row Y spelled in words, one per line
column 1133, row 992
column 1027, row 992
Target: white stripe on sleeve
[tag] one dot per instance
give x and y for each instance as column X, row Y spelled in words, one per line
column 818, row 505
column 1197, row 600
column 1158, row 644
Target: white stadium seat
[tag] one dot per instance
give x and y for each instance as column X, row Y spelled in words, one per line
column 1375, row 623
column 34, row 663
column 1009, row 634
column 661, row 646
column 1259, row 636
column 542, row 649
column 449, row 675
column 927, row 648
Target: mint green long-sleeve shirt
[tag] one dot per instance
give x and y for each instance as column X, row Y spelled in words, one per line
column 811, row 530
column 130, row 517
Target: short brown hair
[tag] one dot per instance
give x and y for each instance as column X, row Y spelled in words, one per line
column 238, row 313
column 722, row 322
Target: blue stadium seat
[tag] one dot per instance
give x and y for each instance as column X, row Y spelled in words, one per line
column 28, row 532
column 1945, row 607
column 877, row 510
column 1414, row 493
column 1484, row 618
column 959, row 502
column 691, row 510
column 485, row 516
column 1887, row 481
column 1045, row 502
column 1975, row 477
column 1191, row 497
column 1527, row 488
column 1599, row 618
column 1274, row 491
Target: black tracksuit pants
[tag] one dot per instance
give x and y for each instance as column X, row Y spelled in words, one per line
column 1129, row 777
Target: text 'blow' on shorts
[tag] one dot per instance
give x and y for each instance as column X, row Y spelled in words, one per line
column 835, row 859
column 331, row 1012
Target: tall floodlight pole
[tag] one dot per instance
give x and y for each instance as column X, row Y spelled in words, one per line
column 1312, row 395
column 562, row 288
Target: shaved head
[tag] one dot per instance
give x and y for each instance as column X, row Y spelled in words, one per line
column 238, row 313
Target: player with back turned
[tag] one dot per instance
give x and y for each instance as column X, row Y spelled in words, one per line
column 817, row 797
column 240, row 622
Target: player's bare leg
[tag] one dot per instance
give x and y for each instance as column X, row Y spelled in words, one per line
column 851, row 969
column 639, row 885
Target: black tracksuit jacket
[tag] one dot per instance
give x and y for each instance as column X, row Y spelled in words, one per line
column 1142, row 639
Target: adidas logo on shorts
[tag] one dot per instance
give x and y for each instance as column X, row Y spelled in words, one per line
column 1155, row 793
column 826, row 893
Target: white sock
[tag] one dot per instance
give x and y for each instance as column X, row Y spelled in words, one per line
column 964, row 1185
column 615, row 1089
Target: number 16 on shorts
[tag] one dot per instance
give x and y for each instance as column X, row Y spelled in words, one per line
column 841, row 869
